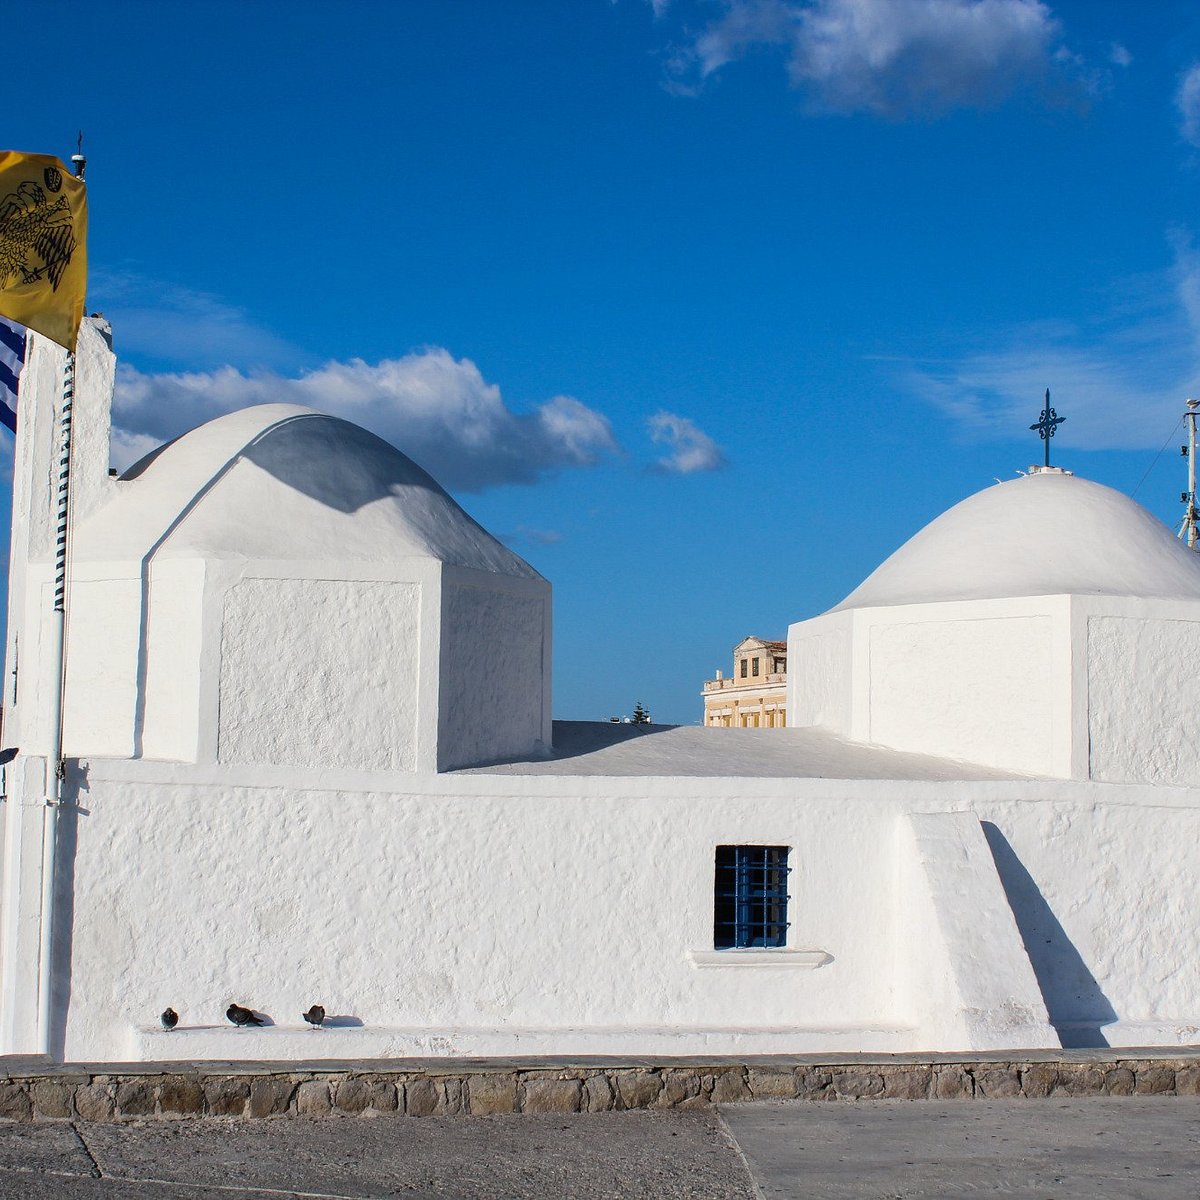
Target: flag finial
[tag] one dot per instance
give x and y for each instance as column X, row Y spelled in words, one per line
column 79, row 159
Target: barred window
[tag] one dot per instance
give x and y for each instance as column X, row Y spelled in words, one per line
column 750, row 897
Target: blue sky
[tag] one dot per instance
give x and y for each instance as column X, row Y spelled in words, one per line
column 706, row 307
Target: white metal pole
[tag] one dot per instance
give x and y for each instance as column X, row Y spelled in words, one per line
column 54, row 759
column 55, row 765
column 1188, row 530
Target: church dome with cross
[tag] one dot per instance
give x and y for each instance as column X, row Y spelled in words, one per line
column 1043, row 534
column 1045, row 625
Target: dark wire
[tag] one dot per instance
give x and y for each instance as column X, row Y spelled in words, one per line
column 1159, row 455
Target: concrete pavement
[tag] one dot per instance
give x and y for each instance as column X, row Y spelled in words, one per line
column 1050, row 1149
column 1095, row 1148
column 620, row 1155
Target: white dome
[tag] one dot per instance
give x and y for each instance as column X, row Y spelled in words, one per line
column 283, row 482
column 1049, row 533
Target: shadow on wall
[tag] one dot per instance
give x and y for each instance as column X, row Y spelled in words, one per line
column 75, row 786
column 1077, row 1007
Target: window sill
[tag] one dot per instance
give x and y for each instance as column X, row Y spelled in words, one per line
column 801, row 959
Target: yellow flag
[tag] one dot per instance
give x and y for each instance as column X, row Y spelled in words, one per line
column 43, row 245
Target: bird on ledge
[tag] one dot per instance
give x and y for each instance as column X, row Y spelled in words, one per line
column 242, row 1017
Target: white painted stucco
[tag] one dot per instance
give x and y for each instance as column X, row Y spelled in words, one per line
column 929, row 693
column 1144, row 687
column 986, row 681
column 966, row 979
column 359, row 644
column 486, row 913
column 495, row 654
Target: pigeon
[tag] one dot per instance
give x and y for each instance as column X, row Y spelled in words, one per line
column 315, row 1016
column 169, row 1019
column 242, row 1016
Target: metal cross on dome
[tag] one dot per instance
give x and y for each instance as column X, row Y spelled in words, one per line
column 1047, row 424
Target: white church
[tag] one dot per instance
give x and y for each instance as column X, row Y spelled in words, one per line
column 310, row 759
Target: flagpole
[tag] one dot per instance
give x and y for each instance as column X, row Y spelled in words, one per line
column 55, row 763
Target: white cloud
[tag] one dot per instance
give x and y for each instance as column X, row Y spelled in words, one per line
column 182, row 326
column 689, row 448
column 1188, row 101
column 437, row 409
column 888, row 57
column 1119, row 55
column 1120, row 381
column 1109, row 402
column 744, row 25
column 126, row 448
column 1185, row 283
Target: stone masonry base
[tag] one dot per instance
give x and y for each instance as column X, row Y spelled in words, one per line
column 34, row 1090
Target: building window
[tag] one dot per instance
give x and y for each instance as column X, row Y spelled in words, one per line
column 750, row 897
column 743, row 668
column 754, row 666
column 780, row 666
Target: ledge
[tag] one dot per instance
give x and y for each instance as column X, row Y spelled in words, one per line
column 199, row 1043
column 802, row 959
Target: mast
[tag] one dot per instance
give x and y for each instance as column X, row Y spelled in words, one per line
column 1188, row 528
column 55, row 764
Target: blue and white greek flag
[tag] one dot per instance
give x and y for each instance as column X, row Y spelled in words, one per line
column 12, row 359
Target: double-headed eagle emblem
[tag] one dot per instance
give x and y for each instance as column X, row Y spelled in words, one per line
column 37, row 238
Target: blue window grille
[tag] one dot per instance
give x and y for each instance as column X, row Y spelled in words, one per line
column 750, row 897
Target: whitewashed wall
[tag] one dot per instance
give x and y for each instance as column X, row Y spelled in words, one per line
column 494, row 697
column 320, row 672
column 820, row 678
column 1144, row 691
column 1107, row 895
column 487, row 915
column 963, row 973
column 984, row 681
column 965, row 689
column 1078, row 686
column 455, row 919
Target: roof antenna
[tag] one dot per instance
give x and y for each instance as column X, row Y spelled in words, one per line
column 1188, row 529
column 78, row 159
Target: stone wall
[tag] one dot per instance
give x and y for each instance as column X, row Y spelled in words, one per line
column 273, row 1090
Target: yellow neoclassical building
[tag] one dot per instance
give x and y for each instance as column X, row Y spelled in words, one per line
column 755, row 695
